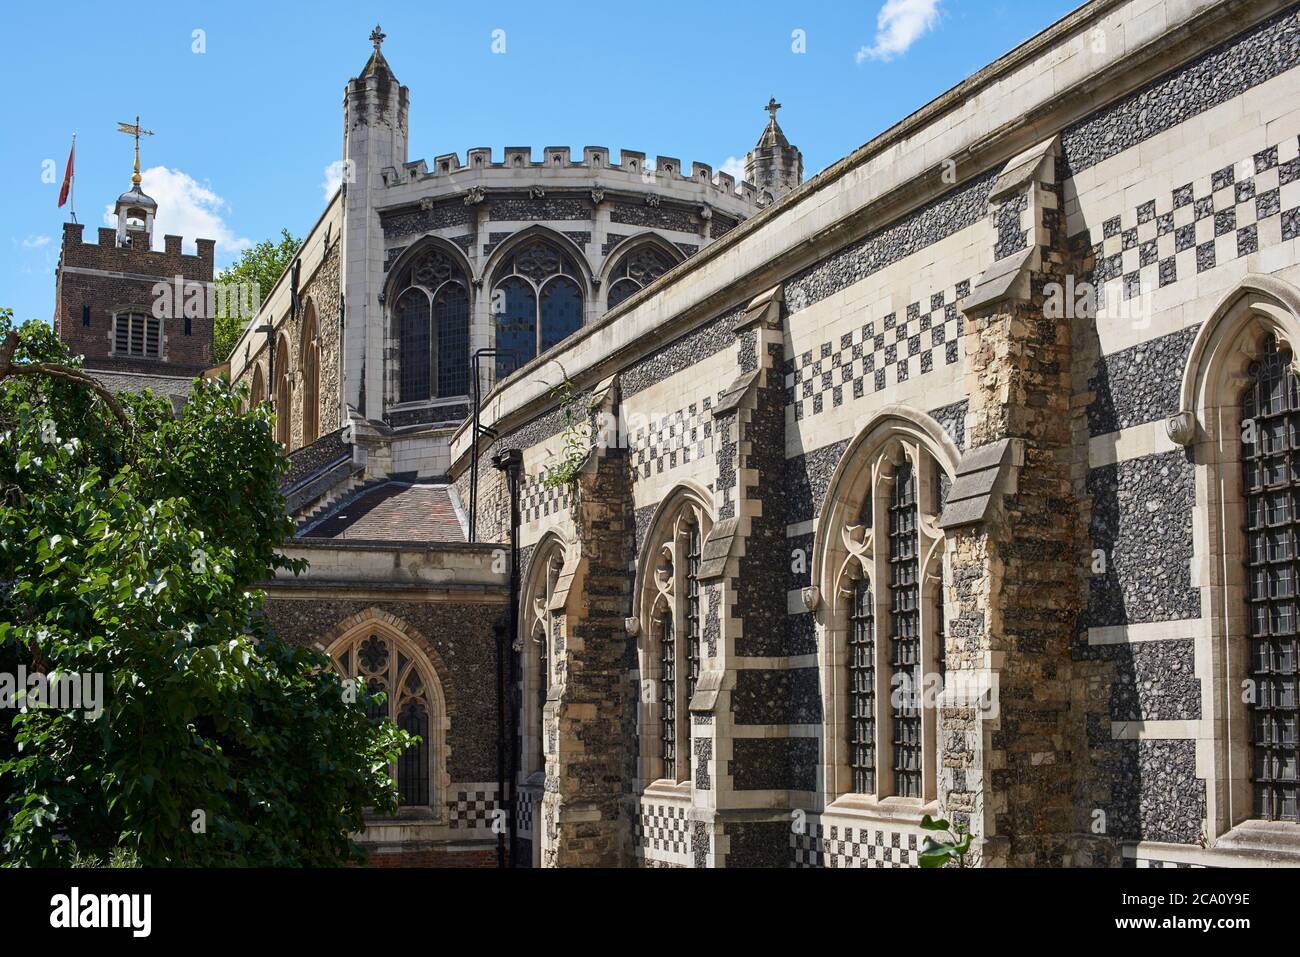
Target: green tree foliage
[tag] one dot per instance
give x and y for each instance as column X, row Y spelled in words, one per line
column 262, row 264
column 132, row 552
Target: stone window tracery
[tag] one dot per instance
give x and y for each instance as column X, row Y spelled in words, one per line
column 537, row 302
column 395, row 668
column 671, row 630
column 636, row 269
column 539, row 632
column 886, row 621
column 431, row 328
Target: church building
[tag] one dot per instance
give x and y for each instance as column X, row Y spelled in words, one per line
column 749, row 524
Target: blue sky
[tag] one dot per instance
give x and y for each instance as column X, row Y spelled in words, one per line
column 246, row 128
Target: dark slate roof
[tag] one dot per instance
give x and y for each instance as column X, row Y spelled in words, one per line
column 394, row 512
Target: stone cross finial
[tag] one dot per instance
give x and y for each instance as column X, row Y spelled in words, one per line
column 772, row 107
column 377, row 37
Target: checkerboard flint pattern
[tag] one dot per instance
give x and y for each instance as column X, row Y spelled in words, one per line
column 660, row 828
column 537, row 500
column 837, row 846
column 671, row 440
column 524, row 813
column 1231, row 213
column 472, row 809
column 880, row 353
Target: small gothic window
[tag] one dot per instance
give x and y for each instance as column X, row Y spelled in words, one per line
column 888, row 721
column 1271, row 480
column 536, row 303
column 540, row 629
column 388, row 667
column 451, row 319
column 673, row 629
column 636, row 269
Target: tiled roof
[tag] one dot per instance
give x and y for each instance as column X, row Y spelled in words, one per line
column 394, row 512
column 162, row 385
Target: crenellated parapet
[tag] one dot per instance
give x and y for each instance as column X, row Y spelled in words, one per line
column 558, row 166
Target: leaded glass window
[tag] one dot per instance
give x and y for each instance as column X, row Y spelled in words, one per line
column 541, row 627
column 413, row 320
column 636, row 269
column 431, row 326
column 862, row 689
column 388, row 667
column 451, row 319
column 537, row 302
column 1271, row 479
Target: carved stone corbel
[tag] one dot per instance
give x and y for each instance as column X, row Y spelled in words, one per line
column 812, row 596
column 1181, row 428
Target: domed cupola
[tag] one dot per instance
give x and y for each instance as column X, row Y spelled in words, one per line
column 135, row 208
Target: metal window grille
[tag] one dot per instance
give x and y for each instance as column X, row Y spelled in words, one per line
column 543, row 686
column 413, row 765
column 667, row 695
column 692, row 610
column 862, row 690
column 904, row 637
column 1271, row 471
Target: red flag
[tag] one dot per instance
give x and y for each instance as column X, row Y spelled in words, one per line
column 67, row 176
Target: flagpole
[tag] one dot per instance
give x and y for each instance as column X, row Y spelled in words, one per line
column 72, row 183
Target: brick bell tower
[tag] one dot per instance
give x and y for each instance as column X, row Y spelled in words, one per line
column 142, row 318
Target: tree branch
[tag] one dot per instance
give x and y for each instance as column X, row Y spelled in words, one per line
column 56, row 371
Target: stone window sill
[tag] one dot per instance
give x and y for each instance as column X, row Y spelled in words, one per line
column 890, row 810
column 664, row 788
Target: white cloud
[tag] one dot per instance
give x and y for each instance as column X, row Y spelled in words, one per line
column 188, row 209
column 333, row 179
column 35, row 242
column 734, row 166
column 899, row 24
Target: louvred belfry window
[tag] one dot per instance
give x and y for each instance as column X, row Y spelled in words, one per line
column 137, row 336
column 1271, row 484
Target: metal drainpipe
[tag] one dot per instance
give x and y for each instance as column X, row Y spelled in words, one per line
column 476, row 432
column 511, row 462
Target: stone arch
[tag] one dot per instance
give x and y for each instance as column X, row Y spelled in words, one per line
column 536, row 639
column 436, row 338
column 309, row 369
column 537, row 230
column 849, row 548
column 660, row 610
column 283, row 390
column 628, row 245
column 1210, row 424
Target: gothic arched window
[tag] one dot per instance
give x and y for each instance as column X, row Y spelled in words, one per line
column 536, row 303
column 397, row 669
column 636, row 269
column 886, row 620
column 283, row 393
column 310, row 362
column 539, row 632
column 431, row 328
column 672, row 620
column 257, row 393
column 1271, row 482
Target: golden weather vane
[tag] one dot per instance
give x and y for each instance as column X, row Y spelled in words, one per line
column 133, row 129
